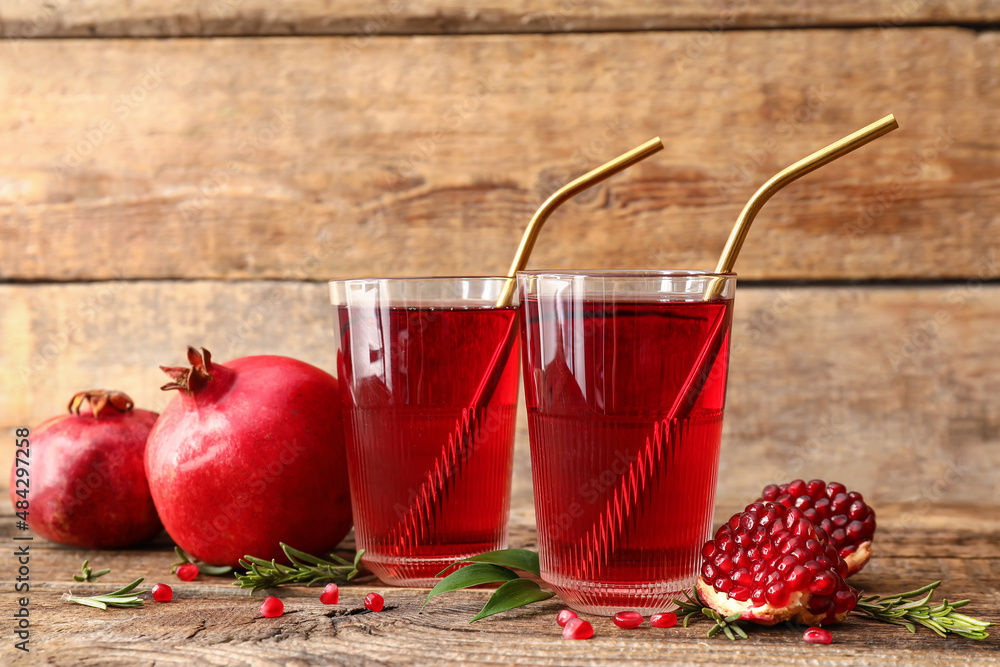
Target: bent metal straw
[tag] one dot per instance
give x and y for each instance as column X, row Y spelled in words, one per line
column 630, row 489
column 416, row 523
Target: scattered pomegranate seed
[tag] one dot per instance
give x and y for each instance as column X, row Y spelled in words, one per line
column 330, row 594
column 577, row 628
column 374, row 602
column 187, row 571
column 665, row 620
column 162, row 593
column 564, row 616
column 271, row 607
column 628, row 619
column 817, row 636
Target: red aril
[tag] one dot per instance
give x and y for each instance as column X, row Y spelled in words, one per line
column 250, row 454
column 770, row 564
column 845, row 518
column 577, row 628
column 374, row 602
column 272, row 607
column 162, row 593
column 564, row 616
column 627, row 620
column 330, row 594
column 187, row 571
column 87, row 483
column 817, row 636
column 664, row 620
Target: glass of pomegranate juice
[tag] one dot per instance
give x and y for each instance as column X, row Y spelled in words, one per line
column 428, row 373
column 625, row 384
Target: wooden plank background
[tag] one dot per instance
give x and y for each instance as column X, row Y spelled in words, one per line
column 156, row 193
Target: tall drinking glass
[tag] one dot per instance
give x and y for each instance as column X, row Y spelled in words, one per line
column 625, row 385
column 428, row 372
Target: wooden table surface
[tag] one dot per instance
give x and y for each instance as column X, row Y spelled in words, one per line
column 212, row 622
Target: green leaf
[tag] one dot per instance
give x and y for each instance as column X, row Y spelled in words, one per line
column 515, row 593
column 518, row 559
column 471, row 575
column 214, row 570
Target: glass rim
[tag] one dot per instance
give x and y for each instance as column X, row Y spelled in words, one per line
column 627, row 273
column 410, row 279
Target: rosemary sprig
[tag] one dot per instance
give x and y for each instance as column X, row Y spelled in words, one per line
column 203, row 568
column 89, row 575
column 692, row 606
column 123, row 597
column 305, row 569
column 914, row 608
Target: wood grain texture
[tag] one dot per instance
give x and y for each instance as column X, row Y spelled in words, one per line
column 211, row 622
column 22, row 19
column 313, row 158
column 889, row 390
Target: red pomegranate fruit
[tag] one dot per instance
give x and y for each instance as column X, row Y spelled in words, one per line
column 87, row 484
column 849, row 523
column 769, row 563
column 249, row 454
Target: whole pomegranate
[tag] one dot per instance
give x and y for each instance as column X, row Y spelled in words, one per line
column 250, row 453
column 87, row 486
column 771, row 564
column 845, row 518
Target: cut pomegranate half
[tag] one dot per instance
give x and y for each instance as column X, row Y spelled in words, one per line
column 770, row 564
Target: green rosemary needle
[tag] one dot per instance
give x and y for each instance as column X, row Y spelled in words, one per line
column 304, row 569
column 88, row 574
column 123, row 597
column 915, row 608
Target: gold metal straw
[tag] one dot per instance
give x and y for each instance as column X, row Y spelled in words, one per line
column 416, row 523
column 784, row 177
column 567, row 191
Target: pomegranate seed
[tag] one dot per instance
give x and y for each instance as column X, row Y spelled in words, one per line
column 330, row 594
column 817, row 636
column 577, row 628
column 665, row 620
column 374, row 602
column 187, row 571
column 271, row 607
column 843, row 519
column 162, row 593
column 628, row 619
column 564, row 616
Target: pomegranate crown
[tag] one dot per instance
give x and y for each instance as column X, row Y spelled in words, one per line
column 190, row 379
column 100, row 399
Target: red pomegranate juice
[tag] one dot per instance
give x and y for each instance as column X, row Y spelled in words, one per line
column 430, row 480
column 623, row 493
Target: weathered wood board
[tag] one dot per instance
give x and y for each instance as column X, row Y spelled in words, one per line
column 211, row 622
column 312, row 158
column 890, row 389
column 23, row 19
